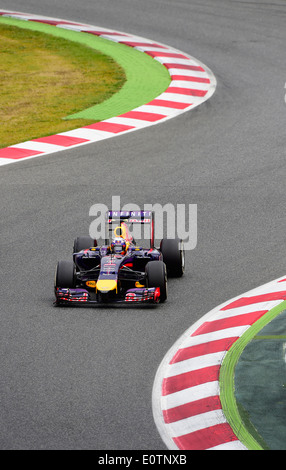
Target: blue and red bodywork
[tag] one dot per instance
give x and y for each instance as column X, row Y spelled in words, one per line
column 103, row 277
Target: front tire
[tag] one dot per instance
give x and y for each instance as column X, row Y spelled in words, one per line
column 156, row 276
column 65, row 275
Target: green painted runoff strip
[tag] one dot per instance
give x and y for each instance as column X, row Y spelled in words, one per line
column 246, row 434
column 146, row 77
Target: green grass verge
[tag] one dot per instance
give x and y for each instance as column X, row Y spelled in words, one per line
column 146, row 78
column 44, row 78
column 235, row 415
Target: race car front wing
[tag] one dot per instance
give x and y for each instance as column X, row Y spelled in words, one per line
column 66, row 296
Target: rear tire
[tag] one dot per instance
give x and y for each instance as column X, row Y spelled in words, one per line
column 173, row 256
column 156, row 276
column 65, row 275
column 83, row 243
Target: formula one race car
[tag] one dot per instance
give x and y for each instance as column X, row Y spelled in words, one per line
column 119, row 271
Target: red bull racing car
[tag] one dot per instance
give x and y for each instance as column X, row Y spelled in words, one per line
column 119, row 272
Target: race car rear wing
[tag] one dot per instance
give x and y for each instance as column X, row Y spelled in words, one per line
column 115, row 218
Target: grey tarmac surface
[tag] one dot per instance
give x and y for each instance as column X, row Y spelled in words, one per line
column 82, row 379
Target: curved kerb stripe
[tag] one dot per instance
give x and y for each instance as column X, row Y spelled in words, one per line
column 192, row 83
column 187, row 395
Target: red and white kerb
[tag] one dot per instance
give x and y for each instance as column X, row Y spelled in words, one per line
column 186, row 394
column 192, row 83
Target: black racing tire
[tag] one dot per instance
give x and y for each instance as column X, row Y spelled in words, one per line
column 173, row 256
column 156, row 276
column 83, row 243
column 65, row 275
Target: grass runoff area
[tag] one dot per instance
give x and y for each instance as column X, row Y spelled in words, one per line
column 54, row 80
column 262, row 366
column 253, row 383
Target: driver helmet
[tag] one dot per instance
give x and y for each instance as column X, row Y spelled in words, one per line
column 118, row 246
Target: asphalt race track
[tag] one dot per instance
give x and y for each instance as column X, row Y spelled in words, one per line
column 82, row 379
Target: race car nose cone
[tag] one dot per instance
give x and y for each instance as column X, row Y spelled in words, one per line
column 106, row 285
